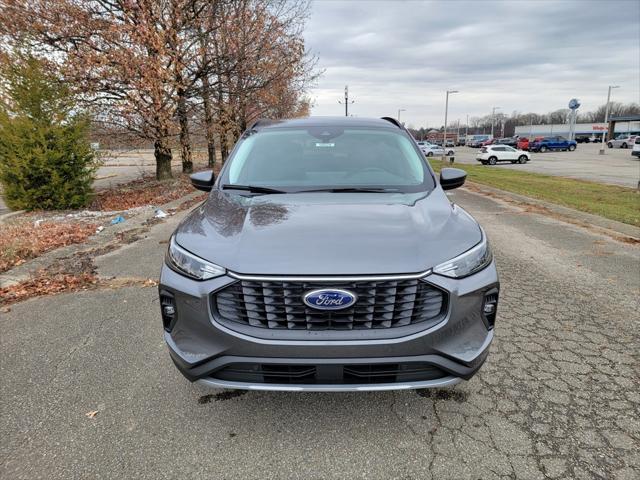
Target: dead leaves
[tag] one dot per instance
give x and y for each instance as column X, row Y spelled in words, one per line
column 46, row 284
column 22, row 241
column 146, row 191
column 91, row 414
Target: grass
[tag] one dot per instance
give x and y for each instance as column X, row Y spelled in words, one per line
column 609, row 201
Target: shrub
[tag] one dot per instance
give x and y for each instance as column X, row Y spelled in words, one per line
column 46, row 161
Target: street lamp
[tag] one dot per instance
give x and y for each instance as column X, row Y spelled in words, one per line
column 606, row 118
column 400, row 110
column 493, row 116
column 446, row 112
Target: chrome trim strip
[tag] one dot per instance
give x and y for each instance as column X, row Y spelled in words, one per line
column 369, row 387
column 320, row 278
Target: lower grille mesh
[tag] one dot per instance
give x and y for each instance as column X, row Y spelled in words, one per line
column 380, row 304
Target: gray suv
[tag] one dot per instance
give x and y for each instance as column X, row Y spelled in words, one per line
column 328, row 257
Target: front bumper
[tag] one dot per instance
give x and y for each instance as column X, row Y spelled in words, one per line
column 210, row 353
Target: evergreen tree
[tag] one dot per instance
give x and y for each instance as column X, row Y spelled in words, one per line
column 46, row 161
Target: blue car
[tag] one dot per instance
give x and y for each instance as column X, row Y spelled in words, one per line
column 552, row 143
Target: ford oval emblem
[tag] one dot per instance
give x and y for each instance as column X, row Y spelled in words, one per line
column 329, row 299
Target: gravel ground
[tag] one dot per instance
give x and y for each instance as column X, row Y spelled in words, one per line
column 559, row 396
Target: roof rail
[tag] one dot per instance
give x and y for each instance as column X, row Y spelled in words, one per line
column 392, row 120
column 262, row 122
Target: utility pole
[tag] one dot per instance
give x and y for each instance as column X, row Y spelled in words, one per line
column 446, row 112
column 493, row 116
column 606, row 119
column 346, row 101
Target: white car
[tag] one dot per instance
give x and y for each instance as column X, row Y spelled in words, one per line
column 622, row 141
column 429, row 149
column 492, row 154
column 636, row 147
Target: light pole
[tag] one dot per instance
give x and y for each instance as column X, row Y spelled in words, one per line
column 346, row 101
column 606, row 118
column 400, row 110
column 466, row 129
column 493, row 116
column 446, row 112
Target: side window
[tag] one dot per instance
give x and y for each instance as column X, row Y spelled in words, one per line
column 498, row 149
column 561, row 139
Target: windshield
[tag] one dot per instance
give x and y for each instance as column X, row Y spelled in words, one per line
column 296, row 159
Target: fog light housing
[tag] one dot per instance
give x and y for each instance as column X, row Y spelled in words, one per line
column 490, row 308
column 168, row 310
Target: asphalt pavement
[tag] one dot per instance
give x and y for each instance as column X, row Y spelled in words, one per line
column 559, row 396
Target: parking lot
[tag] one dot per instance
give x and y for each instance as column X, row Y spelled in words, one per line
column 559, row 396
column 616, row 166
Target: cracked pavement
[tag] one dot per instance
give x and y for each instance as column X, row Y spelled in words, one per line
column 559, row 396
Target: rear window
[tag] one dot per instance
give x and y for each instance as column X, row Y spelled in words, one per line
column 295, row 159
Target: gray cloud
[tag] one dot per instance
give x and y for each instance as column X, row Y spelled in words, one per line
column 519, row 55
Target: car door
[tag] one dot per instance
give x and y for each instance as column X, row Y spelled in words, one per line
column 498, row 152
column 510, row 153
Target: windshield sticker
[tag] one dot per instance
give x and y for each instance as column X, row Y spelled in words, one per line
column 325, row 144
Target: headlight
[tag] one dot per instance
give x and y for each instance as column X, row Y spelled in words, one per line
column 469, row 262
column 190, row 265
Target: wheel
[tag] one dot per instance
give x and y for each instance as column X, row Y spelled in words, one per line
column 610, row 145
column 543, row 149
column 429, row 154
column 572, row 148
column 522, row 159
column 450, row 153
column 493, row 160
column 624, row 145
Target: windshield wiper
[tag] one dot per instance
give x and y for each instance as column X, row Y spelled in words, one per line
column 251, row 188
column 351, row 190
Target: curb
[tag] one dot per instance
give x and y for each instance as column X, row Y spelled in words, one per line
column 574, row 216
column 105, row 238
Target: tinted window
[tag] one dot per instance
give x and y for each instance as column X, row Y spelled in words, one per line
column 325, row 157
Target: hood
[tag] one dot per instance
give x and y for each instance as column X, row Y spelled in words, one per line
column 328, row 233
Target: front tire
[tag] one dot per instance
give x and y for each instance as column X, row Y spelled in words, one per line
column 429, row 154
column 543, row 149
column 572, row 148
column 523, row 159
column 610, row 145
column 624, row 145
column 493, row 160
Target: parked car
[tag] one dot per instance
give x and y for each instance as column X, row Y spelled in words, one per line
column 328, row 260
column 493, row 154
column 475, row 141
column 636, row 147
column 450, row 143
column 523, row 143
column 429, row 149
column 461, row 142
column 622, row 141
column 552, row 143
column 489, row 141
column 511, row 141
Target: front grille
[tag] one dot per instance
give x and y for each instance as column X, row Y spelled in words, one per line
column 333, row 374
column 380, row 305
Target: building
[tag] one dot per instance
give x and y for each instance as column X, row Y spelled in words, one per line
column 629, row 124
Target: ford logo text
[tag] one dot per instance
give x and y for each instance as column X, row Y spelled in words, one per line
column 328, row 299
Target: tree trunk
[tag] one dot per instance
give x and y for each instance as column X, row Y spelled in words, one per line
column 185, row 141
column 162, row 152
column 208, row 121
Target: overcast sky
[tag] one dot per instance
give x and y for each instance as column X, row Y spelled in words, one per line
column 518, row 55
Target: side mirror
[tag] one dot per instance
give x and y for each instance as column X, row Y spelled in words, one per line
column 451, row 178
column 203, row 180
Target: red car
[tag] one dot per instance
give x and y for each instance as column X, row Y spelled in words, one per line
column 489, row 142
column 523, row 144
